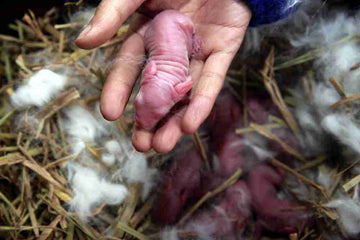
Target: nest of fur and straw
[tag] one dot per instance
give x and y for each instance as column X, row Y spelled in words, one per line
column 34, row 191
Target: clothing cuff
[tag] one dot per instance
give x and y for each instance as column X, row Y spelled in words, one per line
column 269, row 11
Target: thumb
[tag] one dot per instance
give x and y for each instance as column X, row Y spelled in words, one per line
column 108, row 18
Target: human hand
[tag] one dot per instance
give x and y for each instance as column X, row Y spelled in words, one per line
column 220, row 25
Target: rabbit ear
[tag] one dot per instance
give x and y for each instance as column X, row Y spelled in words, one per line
column 186, row 24
column 150, row 68
column 183, row 87
column 196, row 46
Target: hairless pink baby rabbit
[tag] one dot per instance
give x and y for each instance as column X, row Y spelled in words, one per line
column 170, row 41
column 273, row 214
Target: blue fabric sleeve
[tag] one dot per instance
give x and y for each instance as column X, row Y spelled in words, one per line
column 269, row 11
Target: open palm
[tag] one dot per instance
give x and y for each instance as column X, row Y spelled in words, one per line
column 220, row 25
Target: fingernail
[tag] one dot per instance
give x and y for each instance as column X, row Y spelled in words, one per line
column 84, row 32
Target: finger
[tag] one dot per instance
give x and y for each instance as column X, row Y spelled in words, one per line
column 206, row 90
column 141, row 140
column 122, row 76
column 196, row 68
column 168, row 135
column 108, row 18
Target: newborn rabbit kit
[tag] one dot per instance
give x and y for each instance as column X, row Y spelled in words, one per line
column 170, row 42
